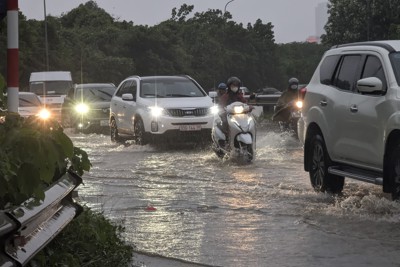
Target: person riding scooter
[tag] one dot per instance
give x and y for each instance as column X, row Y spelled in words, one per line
column 232, row 95
column 221, row 90
column 290, row 95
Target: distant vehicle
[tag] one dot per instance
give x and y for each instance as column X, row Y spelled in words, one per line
column 161, row 108
column 269, row 91
column 51, row 87
column 266, row 97
column 245, row 91
column 87, row 106
column 30, row 105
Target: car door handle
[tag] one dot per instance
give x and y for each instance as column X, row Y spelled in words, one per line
column 323, row 103
column 354, row 109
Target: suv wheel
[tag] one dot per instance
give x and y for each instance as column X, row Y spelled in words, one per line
column 395, row 172
column 114, row 132
column 140, row 134
column 320, row 179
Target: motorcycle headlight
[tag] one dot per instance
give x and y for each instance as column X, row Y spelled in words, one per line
column 156, row 111
column 238, row 109
column 44, row 114
column 82, row 108
column 214, row 110
column 299, row 104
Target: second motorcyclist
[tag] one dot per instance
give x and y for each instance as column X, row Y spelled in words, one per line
column 288, row 96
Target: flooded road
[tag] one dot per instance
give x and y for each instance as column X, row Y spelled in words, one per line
column 223, row 214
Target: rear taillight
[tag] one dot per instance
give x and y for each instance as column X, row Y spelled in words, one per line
column 303, row 92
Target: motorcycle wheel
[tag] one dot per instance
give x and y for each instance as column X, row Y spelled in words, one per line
column 220, row 153
column 247, row 151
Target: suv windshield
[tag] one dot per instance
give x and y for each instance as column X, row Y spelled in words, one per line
column 50, row 88
column 395, row 59
column 169, row 88
column 95, row 93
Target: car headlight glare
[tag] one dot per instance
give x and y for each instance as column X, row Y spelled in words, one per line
column 44, row 114
column 214, row 110
column 156, row 111
column 82, row 108
column 299, row 104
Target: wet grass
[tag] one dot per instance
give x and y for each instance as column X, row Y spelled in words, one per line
column 89, row 240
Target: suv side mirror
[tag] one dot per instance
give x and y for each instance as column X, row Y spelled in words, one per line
column 213, row 94
column 369, row 85
column 127, row 97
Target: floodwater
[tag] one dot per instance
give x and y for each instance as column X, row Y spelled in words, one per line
column 186, row 203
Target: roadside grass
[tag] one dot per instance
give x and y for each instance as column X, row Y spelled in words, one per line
column 89, row 240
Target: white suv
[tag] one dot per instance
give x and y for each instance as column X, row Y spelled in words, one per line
column 146, row 108
column 350, row 124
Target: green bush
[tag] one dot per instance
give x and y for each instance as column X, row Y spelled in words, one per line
column 33, row 154
column 89, row 240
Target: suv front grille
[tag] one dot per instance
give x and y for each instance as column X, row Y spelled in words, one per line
column 196, row 112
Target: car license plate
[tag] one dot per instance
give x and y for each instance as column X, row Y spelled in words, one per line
column 185, row 128
column 104, row 123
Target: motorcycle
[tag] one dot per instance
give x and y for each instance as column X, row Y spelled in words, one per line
column 288, row 115
column 239, row 142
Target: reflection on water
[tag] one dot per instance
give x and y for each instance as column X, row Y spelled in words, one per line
column 220, row 213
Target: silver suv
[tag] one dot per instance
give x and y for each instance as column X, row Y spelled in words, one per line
column 161, row 108
column 350, row 124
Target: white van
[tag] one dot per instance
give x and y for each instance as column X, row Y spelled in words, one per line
column 51, row 87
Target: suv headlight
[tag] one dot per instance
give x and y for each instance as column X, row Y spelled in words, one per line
column 214, row 110
column 156, row 111
column 82, row 108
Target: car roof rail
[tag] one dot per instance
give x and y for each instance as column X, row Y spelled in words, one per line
column 134, row 76
column 386, row 46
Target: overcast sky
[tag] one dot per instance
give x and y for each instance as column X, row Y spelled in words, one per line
column 293, row 20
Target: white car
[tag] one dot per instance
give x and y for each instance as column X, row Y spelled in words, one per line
column 30, row 105
column 161, row 108
column 350, row 123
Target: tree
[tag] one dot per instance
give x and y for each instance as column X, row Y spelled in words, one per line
column 361, row 20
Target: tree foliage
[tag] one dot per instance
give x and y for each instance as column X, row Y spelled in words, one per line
column 362, row 20
column 33, row 154
column 209, row 46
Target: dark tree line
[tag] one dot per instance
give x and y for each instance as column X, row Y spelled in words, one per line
column 362, row 20
column 209, row 46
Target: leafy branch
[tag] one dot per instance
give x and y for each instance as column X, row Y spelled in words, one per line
column 33, row 154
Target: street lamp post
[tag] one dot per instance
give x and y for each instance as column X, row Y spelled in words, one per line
column 227, row 5
column 45, row 35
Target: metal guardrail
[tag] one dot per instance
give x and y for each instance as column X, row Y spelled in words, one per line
column 28, row 228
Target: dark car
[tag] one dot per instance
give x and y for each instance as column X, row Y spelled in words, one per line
column 87, row 106
column 266, row 97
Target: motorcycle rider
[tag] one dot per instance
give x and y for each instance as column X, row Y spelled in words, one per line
column 232, row 95
column 288, row 96
column 221, row 90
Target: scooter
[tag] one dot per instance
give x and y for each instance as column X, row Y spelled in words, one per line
column 288, row 116
column 240, row 141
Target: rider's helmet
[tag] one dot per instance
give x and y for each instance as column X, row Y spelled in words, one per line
column 222, row 86
column 293, row 83
column 234, row 84
column 221, row 89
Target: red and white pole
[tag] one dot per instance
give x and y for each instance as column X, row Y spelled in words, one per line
column 12, row 56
